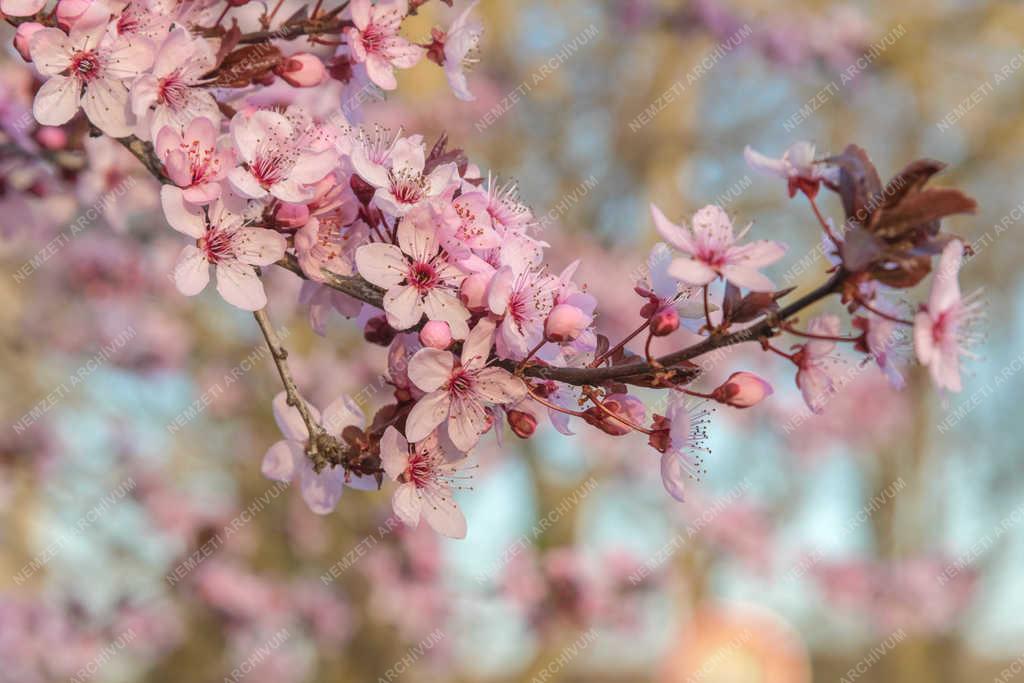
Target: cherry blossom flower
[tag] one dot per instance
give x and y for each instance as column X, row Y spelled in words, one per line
column 282, row 155
column 742, row 390
column 286, row 459
column 796, row 166
column 508, row 213
column 397, row 174
column 425, row 475
column 523, row 299
column 223, row 241
column 885, row 340
column 374, row 40
column 169, row 95
column 195, row 160
column 87, row 69
column 679, row 436
column 816, row 365
column 418, row 278
column 321, row 300
column 460, row 42
column 710, row 250
column 946, row 328
column 459, row 390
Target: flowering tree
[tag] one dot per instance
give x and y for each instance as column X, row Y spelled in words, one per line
column 442, row 264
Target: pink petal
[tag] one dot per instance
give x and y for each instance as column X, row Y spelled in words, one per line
column 321, row 491
column 129, row 56
column 259, row 246
column 673, row 475
column 407, row 504
column 403, row 306
column 360, row 13
column 289, row 420
column 312, row 167
column 340, row 413
column 57, row 101
column 186, row 220
column 381, row 72
column 21, row 8
column 191, row 272
column 757, row 254
column 500, row 290
column 675, row 235
column 426, row 415
column 381, row 264
column 945, row 287
column 466, row 423
column 51, row 51
column 924, row 340
column 430, row 369
column 478, row 344
column 500, row 386
column 245, row 183
column 742, row 276
column 691, row 272
column 105, row 102
column 394, row 453
column 240, row 286
column 280, row 459
column 442, row 513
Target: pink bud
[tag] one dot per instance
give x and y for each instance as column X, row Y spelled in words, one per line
column 51, row 137
column 436, row 334
column 474, row 291
column 626, row 406
column 565, row 322
column 665, row 321
column 23, row 35
column 71, row 12
column 523, row 424
column 292, row 215
column 302, row 70
column 742, row 390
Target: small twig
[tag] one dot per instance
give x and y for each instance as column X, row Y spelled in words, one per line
column 821, row 219
column 612, row 351
column 280, row 355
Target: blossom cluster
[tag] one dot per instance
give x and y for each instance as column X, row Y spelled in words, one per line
column 443, row 264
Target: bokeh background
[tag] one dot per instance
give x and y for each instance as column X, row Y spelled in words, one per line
column 882, row 541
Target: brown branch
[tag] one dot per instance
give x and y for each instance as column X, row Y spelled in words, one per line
column 639, row 373
column 309, row 27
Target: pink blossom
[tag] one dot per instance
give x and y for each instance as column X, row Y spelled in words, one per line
column 679, row 436
column 816, row 365
column 95, row 66
column 436, row 334
column 282, row 155
column 287, row 458
column 946, row 327
column 418, row 278
column 460, row 42
column 508, row 213
column 195, row 160
column 397, row 174
column 223, row 241
column 170, row 95
column 21, row 8
column 710, row 250
column 321, row 300
column 796, row 166
column 459, row 390
column 374, row 40
column 523, row 300
column 23, row 37
column 426, row 475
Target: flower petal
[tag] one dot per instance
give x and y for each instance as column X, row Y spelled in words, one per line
column 321, row 491
column 691, row 272
column 394, row 453
column 57, row 101
column 192, row 271
column 406, row 504
column 105, row 102
column 442, row 512
column 258, row 246
column 381, row 264
column 240, row 286
column 340, row 413
column 430, row 369
column 498, row 385
column 280, row 459
column 426, row 415
column 289, row 419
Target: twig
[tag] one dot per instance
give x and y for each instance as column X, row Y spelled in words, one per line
column 280, row 355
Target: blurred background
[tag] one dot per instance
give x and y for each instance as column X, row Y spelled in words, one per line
column 881, row 541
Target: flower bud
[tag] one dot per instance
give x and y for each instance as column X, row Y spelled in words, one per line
column 665, row 321
column 51, row 137
column 742, row 390
column 302, row 70
column 473, row 292
column 628, row 407
column 70, row 12
column 523, row 424
column 22, row 37
column 377, row 331
column 291, row 215
column 436, row 334
column 238, row 3
column 565, row 323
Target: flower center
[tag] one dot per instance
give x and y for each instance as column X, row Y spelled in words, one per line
column 407, row 187
column 216, row 244
column 422, row 276
column 173, row 92
column 460, row 384
column 85, row 65
column 269, row 169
